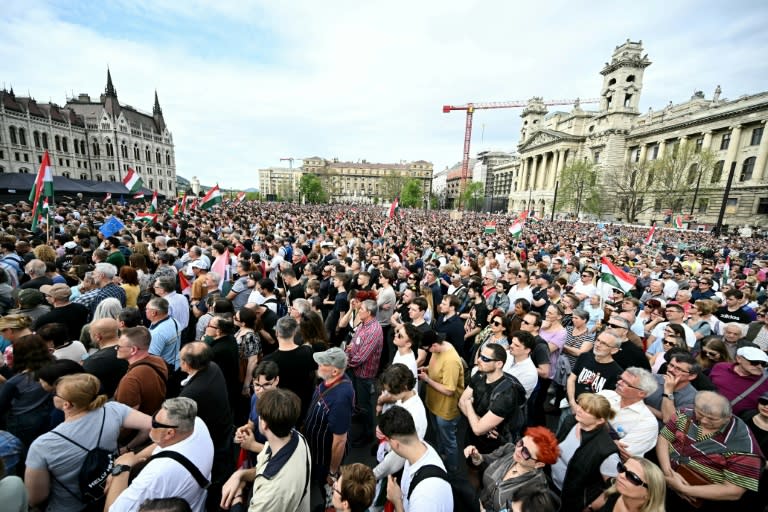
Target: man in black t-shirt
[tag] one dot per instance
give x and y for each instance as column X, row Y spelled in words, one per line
column 104, row 363
column 630, row 354
column 596, row 370
column 74, row 316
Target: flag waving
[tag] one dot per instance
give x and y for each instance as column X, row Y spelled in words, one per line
column 393, row 208
column 43, row 188
column 240, row 197
column 649, row 238
column 213, row 197
column 612, row 275
column 678, row 222
column 132, row 181
column 153, row 204
column 183, row 207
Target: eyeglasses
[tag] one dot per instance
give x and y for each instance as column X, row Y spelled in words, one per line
column 760, row 401
column 632, row 477
column 157, row 424
column 526, row 322
column 118, row 347
column 604, row 343
column 626, row 383
column 525, row 452
column 669, row 342
column 212, row 326
column 678, row 368
column 764, row 364
column 268, row 384
column 617, row 326
column 486, row 359
column 499, row 323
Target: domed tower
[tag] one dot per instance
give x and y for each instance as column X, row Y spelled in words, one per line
column 623, row 78
column 532, row 116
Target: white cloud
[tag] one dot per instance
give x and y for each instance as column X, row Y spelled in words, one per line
column 245, row 83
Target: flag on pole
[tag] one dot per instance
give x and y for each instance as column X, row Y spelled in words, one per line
column 221, row 267
column 153, row 204
column 108, row 197
column 393, row 208
column 183, row 207
column 240, row 197
column 678, row 222
column 490, row 227
column 132, row 181
column 140, row 195
column 184, row 284
column 649, row 238
column 42, row 188
column 148, row 217
column 726, row 274
column 516, row 229
column 194, row 204
column 613, row 276
column 213, row 197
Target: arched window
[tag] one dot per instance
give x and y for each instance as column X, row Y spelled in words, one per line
column 57, row 142
column 99, row 178
column 110, row 149
column 45, row 140
column 96, row 149
column 12, row 132
column 65, row 144
column 136, row 152
column 22, row 137
column 717, row 171
column 692, row 173
column 631, row 78
column 112, row 178
column 24, row 170
column 66, row 174
column 148, row 154
column 149, row 170
column 76, row 145
column 167, row 158
column 151, row 183
column 124, row 149
column 83, row 176
column 82, row 146
column 157, row 157
column 747, row 168
column 611, row 81
column 160, row 184
column 168, row 172
column 36, row 137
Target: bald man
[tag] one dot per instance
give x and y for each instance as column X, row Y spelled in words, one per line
column 104, row 363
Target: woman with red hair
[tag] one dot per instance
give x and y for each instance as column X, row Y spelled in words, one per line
column 515, row 466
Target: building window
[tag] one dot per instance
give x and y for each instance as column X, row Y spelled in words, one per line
column 45, row 141
column 657, row 205
column 78, row 164
column 726, row 141
column 168, row 172
column 747, row 168
column 149, row 170
column 636, row 153
column 655, row 152
column 67, row 162
column 717, row 171
column 597, row 157
column 167, row 158
column 2, row 169
column 762, row 205
column 160, row 184
column 36, row 137
column 76, row 146
column 757, row 136
column 65, row 144
column 157, row 157
column 110, row 149
column 82, row 147
column 112, row 177
column 96, row 150
column 99, row 178
column 703, row 205
column 57, row 142
column 124, row 150
column 24, row 170
column 22, row 137
column 12, row 132
column 26, row 157
column 149, row 154
column 627, row 100
column 39, row 158
column 136, row 152
column 17, row 156
column 151, row 184
column 699, row 144
column 66, row 174
column 692, row 173
column 83, row 176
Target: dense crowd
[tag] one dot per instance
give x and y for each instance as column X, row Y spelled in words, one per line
column 242, row 358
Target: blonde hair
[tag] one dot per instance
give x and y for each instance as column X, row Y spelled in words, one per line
column 657, row 486
column 45, row 253
column 16, row 322
column 81, row 390
column 596, row 405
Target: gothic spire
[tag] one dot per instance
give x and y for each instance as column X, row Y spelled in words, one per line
column 157, row 110
column 110, row 90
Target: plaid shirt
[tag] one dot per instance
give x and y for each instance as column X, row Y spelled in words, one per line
column 364, row 351
column 94, row 297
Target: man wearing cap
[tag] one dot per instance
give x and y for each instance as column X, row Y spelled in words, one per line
column 31, row 304
column 744, row 381
column 328, row 421
column 74, row 316
column 199, row 287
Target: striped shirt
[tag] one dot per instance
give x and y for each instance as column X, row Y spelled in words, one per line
column 330, row 412
column 729, row 455
column 364, row 351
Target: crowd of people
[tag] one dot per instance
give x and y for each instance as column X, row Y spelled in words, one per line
column 244, row 357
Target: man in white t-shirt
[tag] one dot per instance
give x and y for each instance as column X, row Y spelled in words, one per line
column 175, row 427
column 585, row 287
column 431, row 494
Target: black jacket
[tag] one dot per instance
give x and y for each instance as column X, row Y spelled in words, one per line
column 583, row 481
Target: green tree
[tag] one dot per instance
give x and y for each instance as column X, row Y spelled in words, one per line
column 411, row 195
column 472, row 195
column 392, row 185
column 578, row 189
column 312, row 189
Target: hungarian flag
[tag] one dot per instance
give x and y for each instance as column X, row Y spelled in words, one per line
column 678, row 222
column 221, row 267
column 726, row 273
column 490, row 227
column 108, row 197
column 516, row 229
column 148, row 217
column 183, row 207
column 175, row 210
column 42, row 188
column 194, row 204
column 612, row 275
column 132, row 181
column 649, row 238
column 393, row 208
column 140, row 195
column 153, row 204
column 184, row 284
column 523, row 216
column 240, row 197
column 213, row 197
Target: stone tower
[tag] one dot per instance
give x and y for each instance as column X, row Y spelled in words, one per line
column 532, row 116
column 623, row 79
column 111, row 105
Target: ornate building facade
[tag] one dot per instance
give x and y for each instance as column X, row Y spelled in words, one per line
column 366, row 182
column 88, row 140
column 617, row 136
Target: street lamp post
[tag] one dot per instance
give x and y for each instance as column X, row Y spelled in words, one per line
column 726, row 192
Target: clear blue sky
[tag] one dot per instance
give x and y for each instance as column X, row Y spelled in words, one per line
column 243, row 84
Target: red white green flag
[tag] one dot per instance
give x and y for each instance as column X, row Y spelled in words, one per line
column 148, row 217
column 490, row 227
column 393, row 208
column 153, row 204
column 132, row 181
column 613, row 276
column 516, row 229
column 649, row 238
column 184, row 284
column 240, row 197
column 43, row 188
column 213, row 197
column 678, row 222
column 140, row 195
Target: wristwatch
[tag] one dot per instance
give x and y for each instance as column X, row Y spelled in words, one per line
column 671, row 396
column 119, row 469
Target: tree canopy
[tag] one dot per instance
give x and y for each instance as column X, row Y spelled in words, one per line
column 311, row 188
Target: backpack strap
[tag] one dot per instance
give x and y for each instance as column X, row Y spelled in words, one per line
column 424, row 472
column 181, row 459
column 157, row 371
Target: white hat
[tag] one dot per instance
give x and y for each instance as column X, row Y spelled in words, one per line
column 752, row 354
column 199, row 264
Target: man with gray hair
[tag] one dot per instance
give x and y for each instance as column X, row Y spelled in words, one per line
column 634, row 425
column 178, row 305
column 364, row 353
column 35, row 269
column 297, row 368
column 630, row 354
column 103, row 276
column 166, row 334
column 179, row 462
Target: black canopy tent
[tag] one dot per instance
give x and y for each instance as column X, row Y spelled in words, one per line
column 15, row 187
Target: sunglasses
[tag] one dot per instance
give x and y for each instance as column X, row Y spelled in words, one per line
column 525, row 452
column 632, row 477
column 486, row 359
column 758, row 363
column 762, row 401
column 711, row 354
column 667, row 342
column 157, row 424
column 498, row 323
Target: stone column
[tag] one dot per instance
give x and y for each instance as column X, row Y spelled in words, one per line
column 558, row 166
column 707, row 142
column 534, row 172
column 643, row 152
column 662, row 147
column 762, row 154
column 732, row 154
column 683, row 141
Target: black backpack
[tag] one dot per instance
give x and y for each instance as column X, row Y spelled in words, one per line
column 96, row 467
column 512, row 427
column 424, row 472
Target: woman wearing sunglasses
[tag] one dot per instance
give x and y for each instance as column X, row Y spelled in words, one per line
column 713, row 351
column 588, row 455
column 514, row 466
column 496, row 332
column 639, row 487
column 674, row 337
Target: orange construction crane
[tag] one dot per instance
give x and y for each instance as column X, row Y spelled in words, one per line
column 471, row 107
